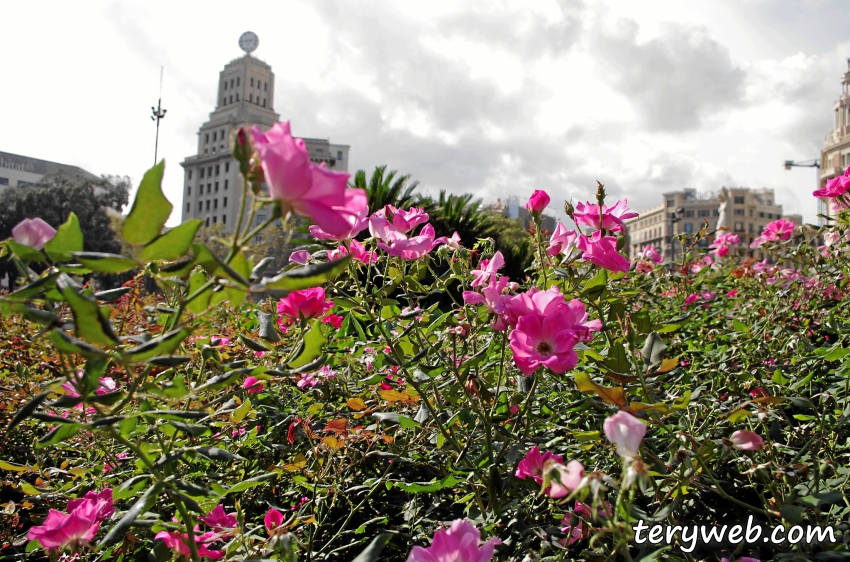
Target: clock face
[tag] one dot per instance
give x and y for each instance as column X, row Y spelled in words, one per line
column 249, row 41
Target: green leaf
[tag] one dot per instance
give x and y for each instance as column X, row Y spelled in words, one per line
column 407, row 423
column 214, row 266
column 428, row 487
column 304, row 277
column 58, row 434
column 150, row 209
column 653, row 350
column 239, row 413
column 594, row 288
column 120, row 529
column 105, row 263
column 67, row 344
column 37, row 287
column 837, row 353
column 68, row 238
column 163, row 345
column 251, row 482
column 112, row 294
column 190, row 428
column 25, row 253
column 201, row 303
column 216, row 454
column 28, row 409
column 739, row 326
column 821, row 498
column 617, row 360
column 173, row 244
column 130, row 487
column 373, row 551
column 89, row 322
column 254, row 345
column 792, row 513
column 314, row 340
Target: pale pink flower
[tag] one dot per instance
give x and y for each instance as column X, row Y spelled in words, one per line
column 358, row 253
column 708, row 296
column 611, row 217
column 746, row 440
column 562, row 241
column 644, row 266
column 307, row 379
column 538, row 201
column 301, row 257
column 602, row 251
column 304, row 304
column 458, row 543
column 781, row 229
column 302, row 186
column 80, row 524
column 691, row 299
column 454, row 241
column 220, row 341
column 33, row 233
column 626, row 432
column 404, row 221
column 491, row 296
column 723, row 242
column 562, row 479
column 398, row 244
column 832, row 237
column 532, row 464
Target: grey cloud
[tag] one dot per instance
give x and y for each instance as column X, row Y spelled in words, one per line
column 675, row 80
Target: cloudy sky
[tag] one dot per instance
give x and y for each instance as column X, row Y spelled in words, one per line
column 494, row 98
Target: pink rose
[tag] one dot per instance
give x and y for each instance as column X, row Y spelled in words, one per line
column 651, row 254
column 562, row 241
column 487, row 269
column 532, row 464
column 252, row 386
column 301, row 257
column 602, row 251
column 33, row 233
column 458, row 543
column 304, row 304
column 781, row 229
column 220, row 521
column 358, row 253
column 273, row 519
column 358, row 202
column 538, row 201
column 544, row 340
column 562, row 479
column 836, row 186
column 398, row 244
column 691, row 299
column 610, row 218
column 302, row 186
column 80, row 524
column 179, row 543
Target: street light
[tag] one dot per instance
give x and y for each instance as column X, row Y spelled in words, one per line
column 816, row 165
column 158, row 115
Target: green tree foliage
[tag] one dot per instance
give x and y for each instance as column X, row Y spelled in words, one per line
column 54, row 197
column 387, row 188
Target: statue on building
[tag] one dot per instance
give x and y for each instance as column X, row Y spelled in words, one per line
column 723, row 218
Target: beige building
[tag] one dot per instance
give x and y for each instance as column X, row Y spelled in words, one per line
column 17, row 170
column 512, row 209
column 686, row 211
column 835, row 157
column 212, row 185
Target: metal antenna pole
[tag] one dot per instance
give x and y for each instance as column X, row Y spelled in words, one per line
column 158, row 115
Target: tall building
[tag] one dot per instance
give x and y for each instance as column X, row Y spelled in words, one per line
column 835, row 156
column 212, row 185
column 512, row 209
column 685, row 211
column 17, row 170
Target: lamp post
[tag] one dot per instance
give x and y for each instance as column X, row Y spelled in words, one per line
column 158, row 115
column 675, row 217
column 816, row 165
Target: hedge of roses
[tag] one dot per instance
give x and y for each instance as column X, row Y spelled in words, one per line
column 400, row 398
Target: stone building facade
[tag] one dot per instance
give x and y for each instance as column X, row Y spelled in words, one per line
column 17, row 170
column 835, row 156
column 212, row 185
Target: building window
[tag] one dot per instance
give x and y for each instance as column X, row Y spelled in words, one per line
column 689, row 214
column 225, row 85
column 224, row 100
column 214, row 135
column 215, row 203
column 739, row 212
column 250, row 98
column 224, row 203
column 187, row 208
column 770, row 215
column 22, row 183
column 231, row 99
column 200, row 206
column 222, row 134
column 209, row 188
column 739, row 227
column 671, row 202
column 739, row 199
column 339, row 155
column 252, row 82
column 226, row 167
column 208, row 204
column 216, row 187
column 190, row 174
column 261, row 219
column 216, row 169
column 225, row 185
column 237, row 83
column 265, row 86
column 689, row 227
column 189, row 190
column 751, row 212
column 215, row 219
column 223, row 219
column 207, row 223
column 231, row 83
column 209, row 171
column 770, row 202
column 704, row 213
column 202, row 172
column 237, row 96
column 264, row 102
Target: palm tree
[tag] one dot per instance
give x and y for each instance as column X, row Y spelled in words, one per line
column 382, row 190
column 461, row 214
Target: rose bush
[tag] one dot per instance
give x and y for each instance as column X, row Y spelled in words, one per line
column 399, row 396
